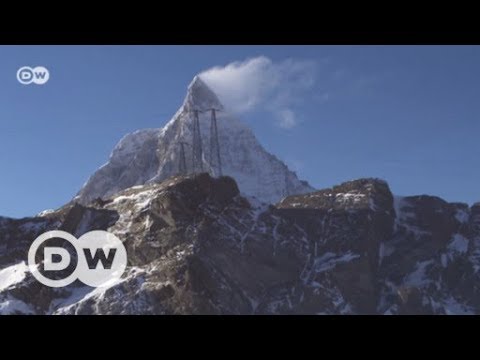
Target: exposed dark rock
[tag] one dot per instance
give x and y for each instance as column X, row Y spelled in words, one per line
column 196, row 246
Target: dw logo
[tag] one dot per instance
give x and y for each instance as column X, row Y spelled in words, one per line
column 98, row 258
column 38, row 75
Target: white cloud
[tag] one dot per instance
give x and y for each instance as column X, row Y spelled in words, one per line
column 287, row 119
column 261, row 84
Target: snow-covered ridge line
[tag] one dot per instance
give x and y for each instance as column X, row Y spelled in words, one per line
column 152, row 155
column 12, row 275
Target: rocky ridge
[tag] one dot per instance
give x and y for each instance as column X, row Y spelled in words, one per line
column 196, row 245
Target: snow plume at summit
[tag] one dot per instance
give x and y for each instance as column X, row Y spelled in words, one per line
column 262, row 84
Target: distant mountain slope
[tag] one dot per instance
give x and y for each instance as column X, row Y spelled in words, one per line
column 153, row 155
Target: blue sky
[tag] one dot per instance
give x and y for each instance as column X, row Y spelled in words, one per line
column 407, row 114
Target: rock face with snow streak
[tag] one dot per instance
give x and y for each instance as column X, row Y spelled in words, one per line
column 153, row 155
column 197, row 246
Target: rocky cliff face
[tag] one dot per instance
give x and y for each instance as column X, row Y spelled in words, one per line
column 197, row 246
column 153, row 155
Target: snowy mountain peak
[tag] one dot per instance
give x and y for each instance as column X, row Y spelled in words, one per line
column 153, row 155
column 200, row 97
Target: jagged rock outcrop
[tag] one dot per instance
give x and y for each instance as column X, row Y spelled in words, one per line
column 197, row 246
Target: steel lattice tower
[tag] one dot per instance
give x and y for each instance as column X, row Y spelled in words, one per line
column 197, row 153
column 215, row 161
column 182, row 165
